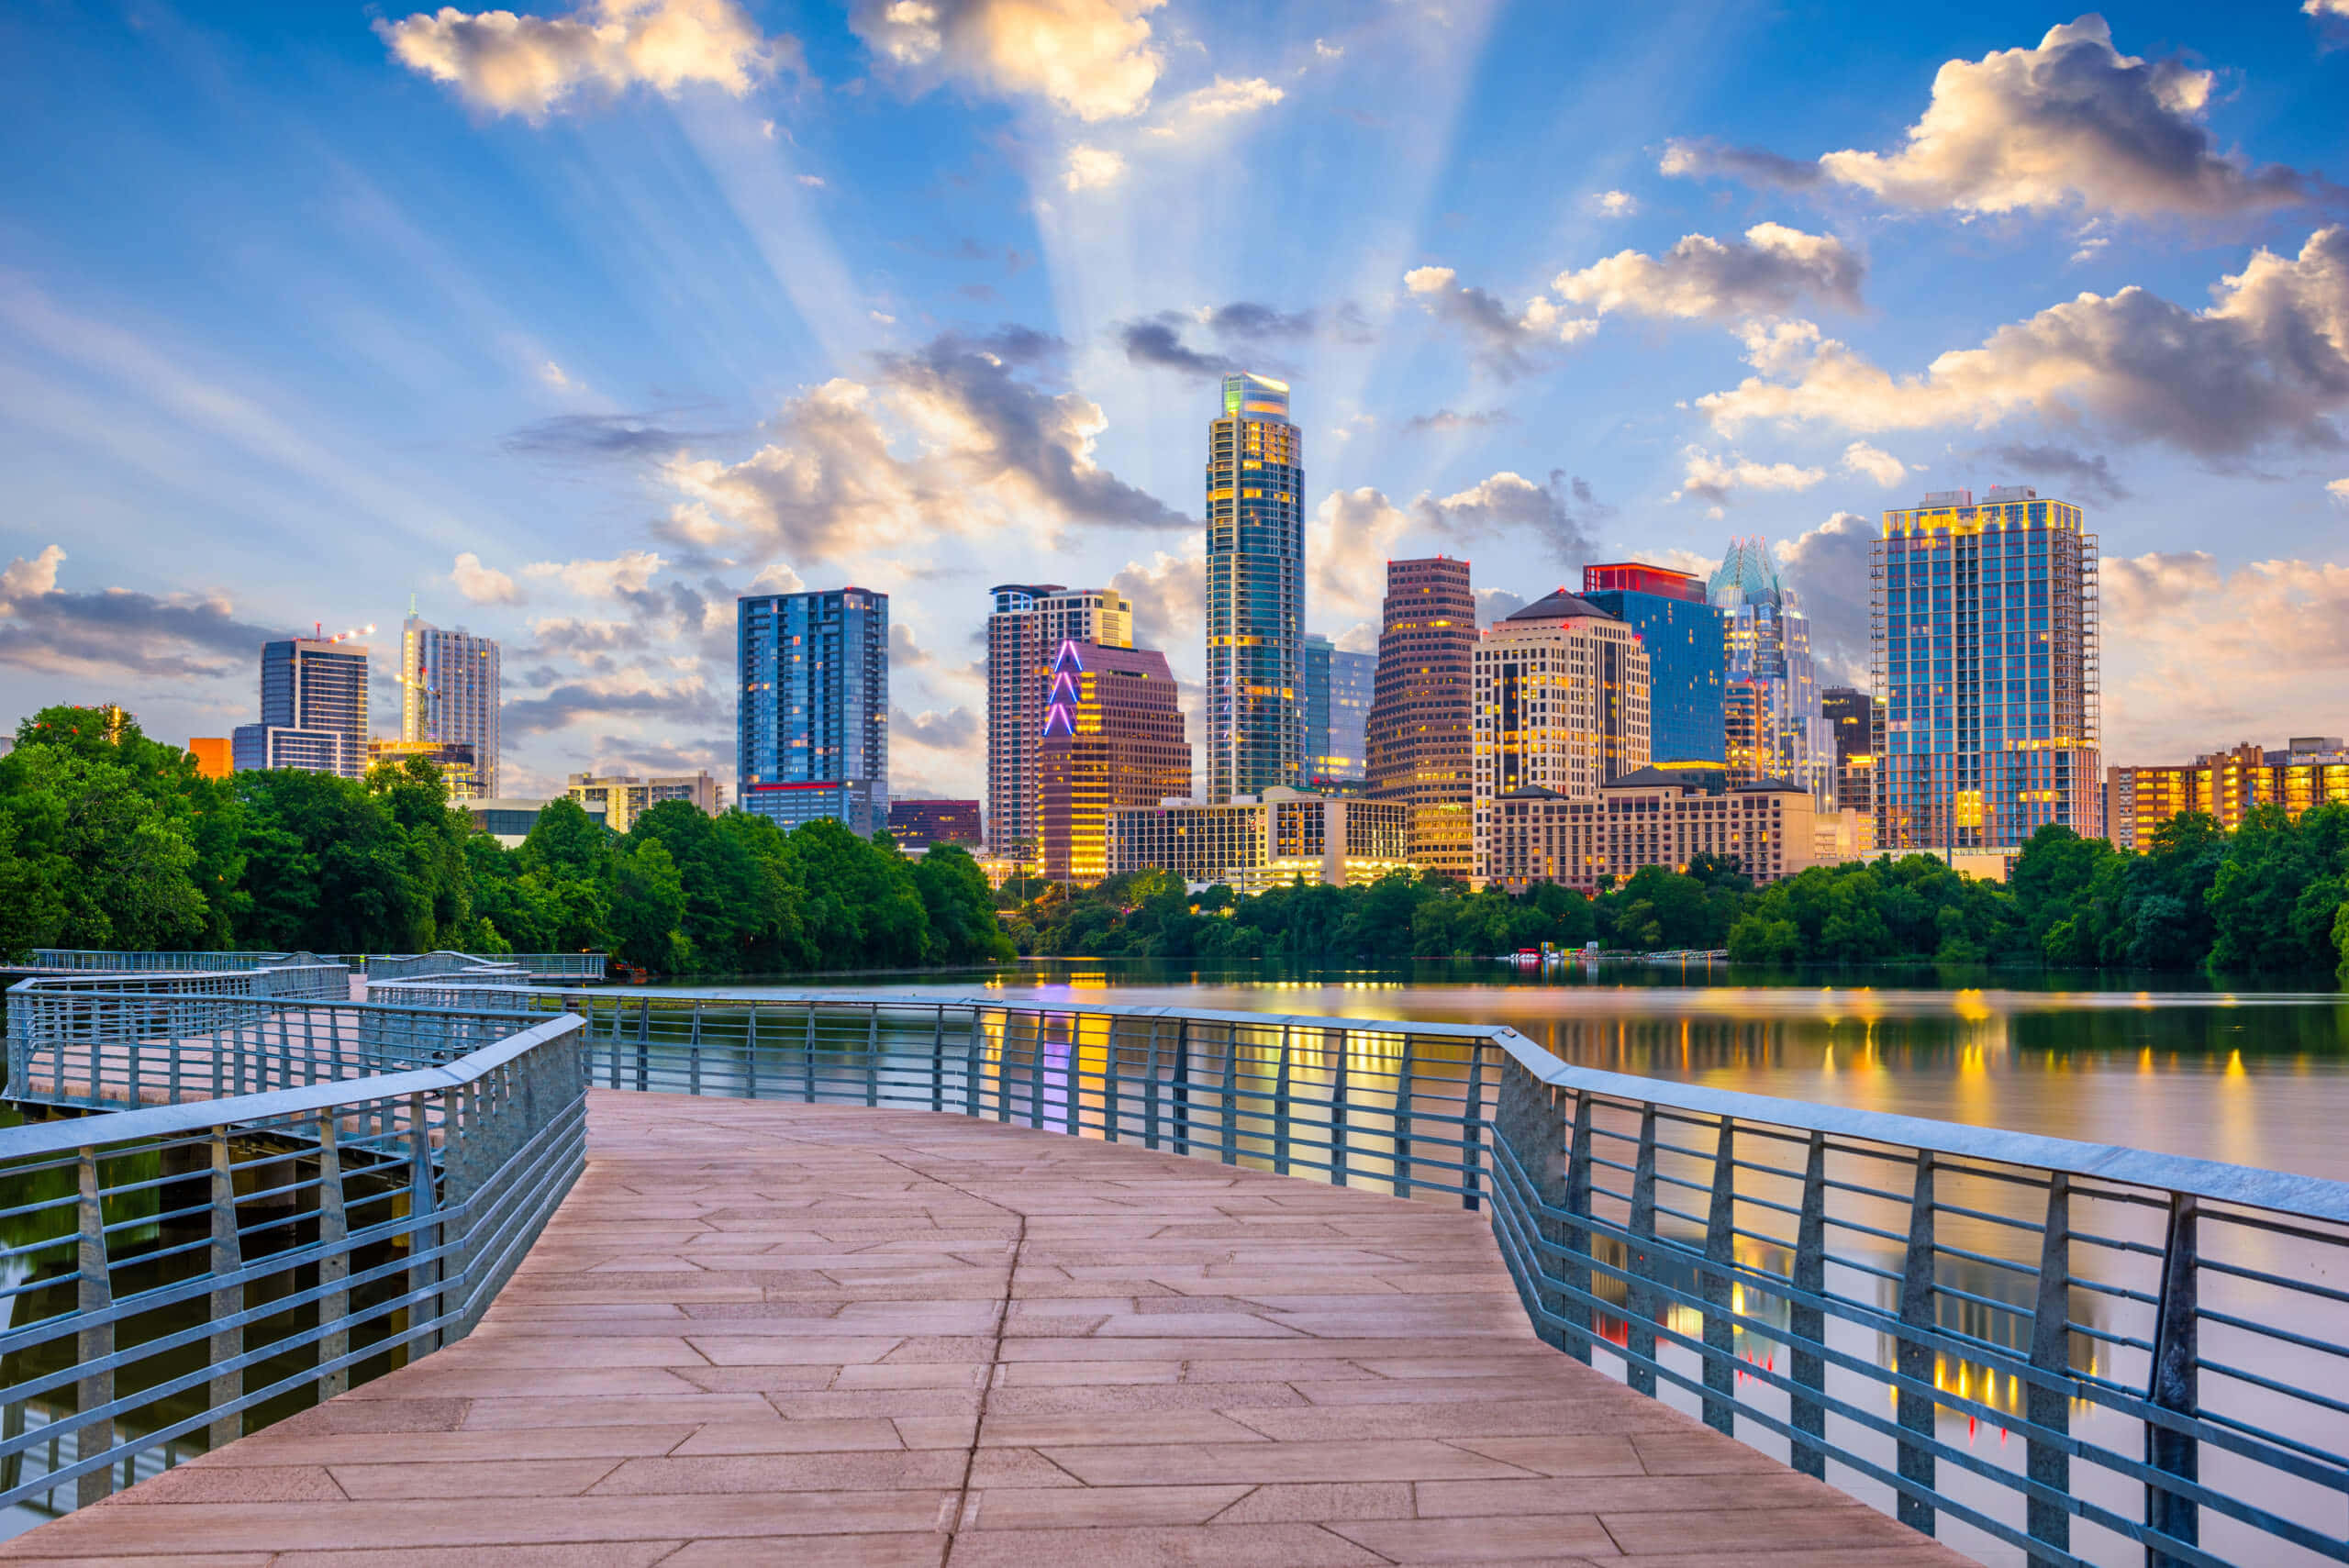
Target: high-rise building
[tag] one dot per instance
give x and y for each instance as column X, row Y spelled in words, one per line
column 1655, row 816
column 1029, row 622
column 918, row 824
column 1339, row 690
column 449, row 688
column 453, row 758
column 1417, row 744
column 312, row 708
column 812, row 730
column 1985, row 658
column 1255, row 591
column 1317, row 652
column 213, row 758
column 1112, row 737
column 1686, row 640
column 1856, row 723
column 618, row 802
column 1560, row 704
column 1768, row 643
column 1251, row 844
column 2310, row 770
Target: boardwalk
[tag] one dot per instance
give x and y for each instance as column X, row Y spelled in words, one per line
column 765, row 1333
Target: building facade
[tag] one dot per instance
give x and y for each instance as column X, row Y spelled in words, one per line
column 1986, row 657
column 618, row 802
column 1686, row 640
column 1655, row 816
column 454, row 760
column 1252, row 845
column 1766, row 642
column 313, row 709
column 2310, row 770
column 1255, row 591
column 1112, row 737
column 1419, row 746
column 918, row 824
column 1025, row 630
column 451, row 686
column 1856, row 728
column 812, row 726
column 213, row 758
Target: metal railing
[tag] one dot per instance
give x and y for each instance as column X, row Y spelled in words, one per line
column 2044, row 1350
column 577, row 967
column 177, row 1275
column 102, row 960
column 573, row 967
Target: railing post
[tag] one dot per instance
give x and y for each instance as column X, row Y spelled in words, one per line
column 1183, row 1086
column 1720, row 1257
column 1806, row 1325
column 1149, row 1088
column 1642, row 1310
column 1914, row 1359
column 644, row 1044
column 1280, row 1107
column 1036, row 1076
column 1337, row 1109
column 423, row 1231
column 2174, row 1384
column 1562, row 1181
column 975, row 1062
column 750, row 1050
column 334, row 1258
column 1403, row 1118
column 808, row 1061
column 1110, row 1109
column 1230, row 1128
column 227, row 1256
column 873, row 1054
column 938, row 1061
column 93, row 1346
column 2047, row 1406
column 692, row 1053
column 1472, row 1131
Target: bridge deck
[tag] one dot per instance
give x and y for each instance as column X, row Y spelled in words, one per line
column 822, row 1336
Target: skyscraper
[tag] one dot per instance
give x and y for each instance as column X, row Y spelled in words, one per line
column 449, row 693
column 1318, row 652
column 312, row 708
column 1255, row 591
column 1353, row 688
column 1985, row 658
column 1853, row 717
column 812, row 730
column 1112, row 737
column 1417, row 741
column 1686, row 640
column 1029, row 622
column 1769, row 645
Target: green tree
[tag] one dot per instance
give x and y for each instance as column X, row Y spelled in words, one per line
column 960, row 906
column 648, row 908
column 96, row 861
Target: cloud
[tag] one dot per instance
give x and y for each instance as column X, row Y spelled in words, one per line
column 1509, row 343
column 1828, row 570
column 627, row 572
column 2338, row 490
column 482, row 584
column 1222, row 99
column 1090, row 168
column 2325, row 8
column 2091, row 478
column 118, row 631
column 956, row 730
column 627, row 694
column 597, row 436
column 1767, row 272
column 1157, row 341
column 1158, row 344
column 552, row 374
column 1497, row 604
column 960, row 437
column 2267, row 362
column 1353, row 533
column 638, row 756
column 1753, row 164
column 1873, row 461
column 777, row 578
column 1169, row 594
column 533, row 65
column 813, row 182
column 1614, row 203
column 1091, row 59
column 2071, row 123
column 1444, row 420
column 32, row 579
column 1708, row 478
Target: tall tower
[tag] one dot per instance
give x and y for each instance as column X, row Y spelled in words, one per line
column 1255, row 665
column 1686, row 644
column 1112, row 737
column 1769, row 645
column 812, row 730
column 449, row 693
column 1985, row 661
column 1025, row 630
column 1417, row 738
column 312, row 708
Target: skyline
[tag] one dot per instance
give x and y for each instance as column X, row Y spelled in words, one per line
column 371, row 315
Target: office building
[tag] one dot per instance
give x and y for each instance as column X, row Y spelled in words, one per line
column 213, row 757
column 1766, row 642
column 2310, row 770
column 812, row 730
column 509, row 819
column 451, row 683
column 1112, row 737
column 454, row 759
column 1316, row 664
column 1686, row 640
column 1560, row 704
column 312, row 708
column 918, row 824
column 618, row 802
column 1655, row 816
column 1025, row 630
column 1339, row 762
column 1855, row 729
column 1745, row 719
column 1251, row 844
column 1255, row 592
column 1417, row 744
column 1985, row 634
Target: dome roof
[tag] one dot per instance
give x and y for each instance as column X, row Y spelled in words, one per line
column 1561, row 606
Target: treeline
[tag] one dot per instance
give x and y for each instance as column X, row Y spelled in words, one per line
column 2271, row 897
column 114, row 841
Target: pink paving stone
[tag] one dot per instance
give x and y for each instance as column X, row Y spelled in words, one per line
column 830, row 1336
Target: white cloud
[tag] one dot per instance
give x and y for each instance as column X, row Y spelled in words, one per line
column 25, row 578
column 1222, row 99
column 2338, row 490
column 1715, row 479
column 628, row 573
column 775, row 577
column 813, row 182
column 2325, row 8
column 2267, row 362
column 2090, row 249
column 533, row 65
column 1510, row 342
column 552, row 374
column 1873, row 461
column 1827, row 570
column 1428, row 280
column 1090, row 168
column 1766, row 273
column 1325, row 51
column 1353, row 533
column 2073, row 122
column 1091, row 59
column 1169, row 592
column 113, row 633
column 482, row 584
column 1614, row 203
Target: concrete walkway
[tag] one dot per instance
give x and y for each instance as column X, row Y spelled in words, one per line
column 817, row 1336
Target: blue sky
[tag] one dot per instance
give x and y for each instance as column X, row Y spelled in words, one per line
column 576, row 323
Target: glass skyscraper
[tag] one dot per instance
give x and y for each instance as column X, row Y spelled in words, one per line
column 313, row 709
column 1768, row 645
column 812, row 731
column 1986, row 660
column 449, row 693
column 1686, row 643
column 1255, row 592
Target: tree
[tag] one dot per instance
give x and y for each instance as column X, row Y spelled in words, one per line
column 960, row 906
column 648, row 908
column 97, row 860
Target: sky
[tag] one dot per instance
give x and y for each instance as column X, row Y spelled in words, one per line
column 573, row 325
